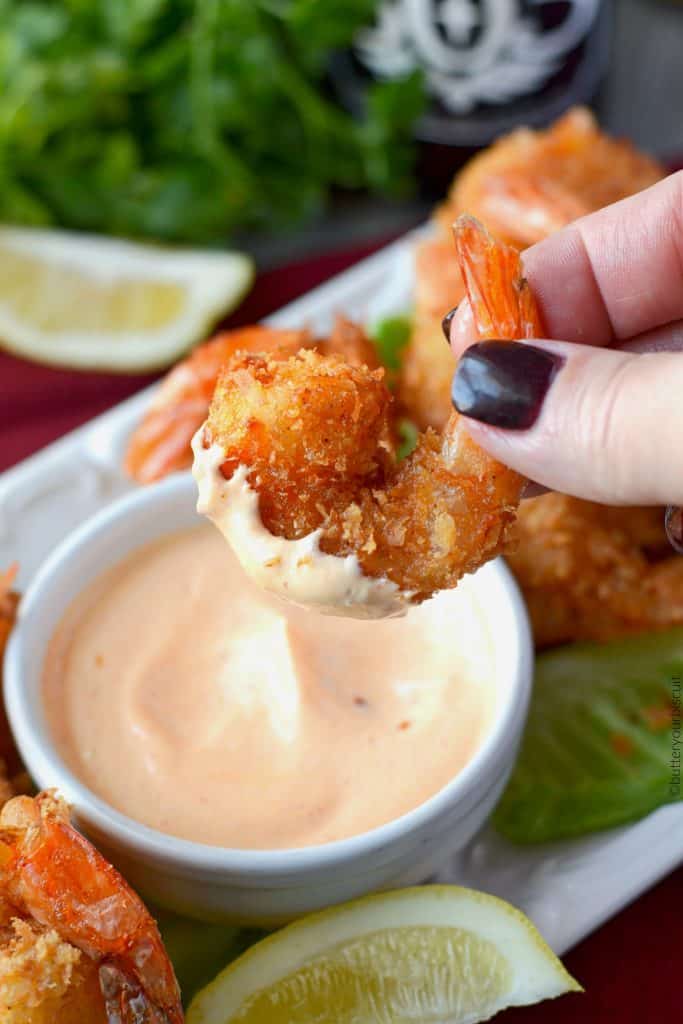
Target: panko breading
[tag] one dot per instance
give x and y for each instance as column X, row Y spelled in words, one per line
column 44, row 980
column 589, row 572
column 314, row 435
column 161, row 443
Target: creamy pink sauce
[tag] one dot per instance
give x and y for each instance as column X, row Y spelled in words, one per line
column 193, row 702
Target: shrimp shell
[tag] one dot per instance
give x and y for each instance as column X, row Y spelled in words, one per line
column 53, row 878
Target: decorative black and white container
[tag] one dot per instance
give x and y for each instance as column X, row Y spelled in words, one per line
column 488, row 64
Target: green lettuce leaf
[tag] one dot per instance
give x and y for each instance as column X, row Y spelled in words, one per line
column 603, row 742
column 198, row 951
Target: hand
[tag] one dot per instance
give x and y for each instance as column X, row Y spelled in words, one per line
column 600, row 414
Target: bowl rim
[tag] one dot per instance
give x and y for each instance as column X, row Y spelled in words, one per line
column 44, row 762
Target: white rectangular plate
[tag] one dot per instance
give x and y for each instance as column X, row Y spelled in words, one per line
column 567, row 888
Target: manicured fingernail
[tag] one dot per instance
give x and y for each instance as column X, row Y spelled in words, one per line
column 503, row 383
column 673, row 524
column 446, row 323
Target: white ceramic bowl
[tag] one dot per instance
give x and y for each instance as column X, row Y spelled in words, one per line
column 251, row 886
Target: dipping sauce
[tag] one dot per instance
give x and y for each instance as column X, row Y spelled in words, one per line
column 192, row 701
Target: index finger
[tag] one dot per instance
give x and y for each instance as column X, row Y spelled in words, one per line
column 611, row 275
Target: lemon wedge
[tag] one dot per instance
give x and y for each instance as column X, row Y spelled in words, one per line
column 433, row 953
column 98, row 303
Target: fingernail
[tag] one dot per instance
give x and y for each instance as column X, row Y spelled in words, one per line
column 446, row 323
column 673, row 524
column 503, row 383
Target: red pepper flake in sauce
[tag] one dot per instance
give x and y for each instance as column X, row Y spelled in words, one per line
column 360, row 702
column 622, row 745
column 405, row 724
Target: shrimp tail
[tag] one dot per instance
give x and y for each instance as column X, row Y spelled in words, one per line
column 499, row 295
column 126, row 1002
column 503, row 308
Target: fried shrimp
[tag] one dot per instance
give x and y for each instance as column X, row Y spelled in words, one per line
column 161, row 443
column 309, row 439
column 428, row 364
column 530, row 183
column 77, row 946
column 590, row 572
column 524, row 187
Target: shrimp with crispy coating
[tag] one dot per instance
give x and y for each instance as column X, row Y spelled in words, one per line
column 524, row 187
column 428, row 363
column 77, row 946
column 590, row 572
column 161, row 443
column 311, row 437
column 532, row 183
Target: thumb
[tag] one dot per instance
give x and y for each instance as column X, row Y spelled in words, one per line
column 592, row 422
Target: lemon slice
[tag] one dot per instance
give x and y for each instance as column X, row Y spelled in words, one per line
column 98, row 303
column 434, row 953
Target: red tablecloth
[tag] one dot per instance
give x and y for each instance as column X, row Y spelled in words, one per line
column 630, row 967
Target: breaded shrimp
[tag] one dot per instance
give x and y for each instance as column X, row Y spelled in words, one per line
column 531, row 183
column 44, row 980
column 161, row 444
column 313, row 435
column 524, row 187
column 428, row 363
column 590, row 572
column 77, row 946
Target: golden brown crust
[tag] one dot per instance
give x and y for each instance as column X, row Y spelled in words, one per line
column 44, row 980
column 589, row 572
column 314, row 434
column 161, row 443
column 311, row 429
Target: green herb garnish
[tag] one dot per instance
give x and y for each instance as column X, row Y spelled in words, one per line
column 188, row 119
column 603, row 744
column 390, row 336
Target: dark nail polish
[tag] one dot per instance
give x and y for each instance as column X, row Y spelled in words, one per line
column 446, row 323
column 673, row 524
column 503, row 383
